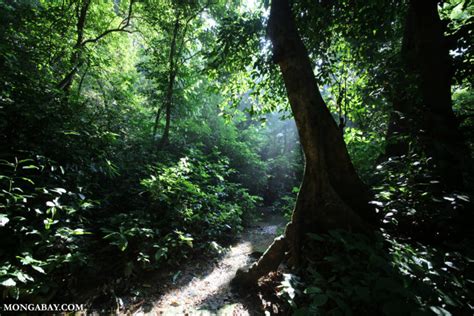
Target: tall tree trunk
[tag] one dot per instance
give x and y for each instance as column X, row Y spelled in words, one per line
column 332, row 195
column 170, row 88
column 157, row 122
column 441, row 136
column 425, row 98
column 75, row 60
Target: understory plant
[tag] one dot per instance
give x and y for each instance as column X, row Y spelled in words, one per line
column 350, row 274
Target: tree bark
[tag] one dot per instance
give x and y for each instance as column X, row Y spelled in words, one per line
column 176, row 51
column 82, row 9
column 424, row 107
column 157, row 121
column 441, row 135
column 332, row 196
column 168, row 103
column 76, row 56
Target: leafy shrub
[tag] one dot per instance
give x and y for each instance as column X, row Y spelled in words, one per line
column 139, row 241
column 42, row 227
column 351, row 274
column 364, row 149
column 195, row 194
column 286, row 203
column 191, row 206
column 411, row 199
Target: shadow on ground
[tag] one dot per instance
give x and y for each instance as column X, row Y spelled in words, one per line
column 202, row 286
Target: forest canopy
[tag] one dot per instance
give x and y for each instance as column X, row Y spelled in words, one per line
column 139, row 138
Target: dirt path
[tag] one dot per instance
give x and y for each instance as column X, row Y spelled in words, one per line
column 202, row 288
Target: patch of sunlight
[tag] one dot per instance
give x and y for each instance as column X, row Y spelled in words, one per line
column 209, row 294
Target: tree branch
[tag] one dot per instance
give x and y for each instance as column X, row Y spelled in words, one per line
column 121, row 28
column 81, row 12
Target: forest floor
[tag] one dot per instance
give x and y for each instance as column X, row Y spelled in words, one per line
column 202, row 286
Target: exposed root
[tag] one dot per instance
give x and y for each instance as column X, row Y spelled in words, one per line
column 269, row 261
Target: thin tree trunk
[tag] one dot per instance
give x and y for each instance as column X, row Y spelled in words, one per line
column 332, row 196
column 76, row 56
column 81, row 12
column 157, row 122
column 170, row 89
column 79, row 88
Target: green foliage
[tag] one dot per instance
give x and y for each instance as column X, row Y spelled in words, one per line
column 459, row 16
column 411, row 199
column 42, row 227
column 463, row 104
column 192, row 205
column 364, row 149
column 86, row 194
column 196, row 195
column 348, row 274
column 79, row 196
column 286, row 204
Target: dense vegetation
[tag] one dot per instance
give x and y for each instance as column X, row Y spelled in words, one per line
column 136, row 135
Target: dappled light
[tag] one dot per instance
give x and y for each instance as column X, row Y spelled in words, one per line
column 196, row 157
column 211, row 292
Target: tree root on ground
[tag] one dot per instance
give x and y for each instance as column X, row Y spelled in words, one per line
column 269, row 261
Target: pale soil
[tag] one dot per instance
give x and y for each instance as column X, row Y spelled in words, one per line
column 202, row 287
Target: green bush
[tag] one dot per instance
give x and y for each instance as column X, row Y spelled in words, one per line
column 286, row 203
column 192, row 205
column 352, row 275
column 364, row 149
column 411, row 200
column 195, row 194
column 42, row 228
